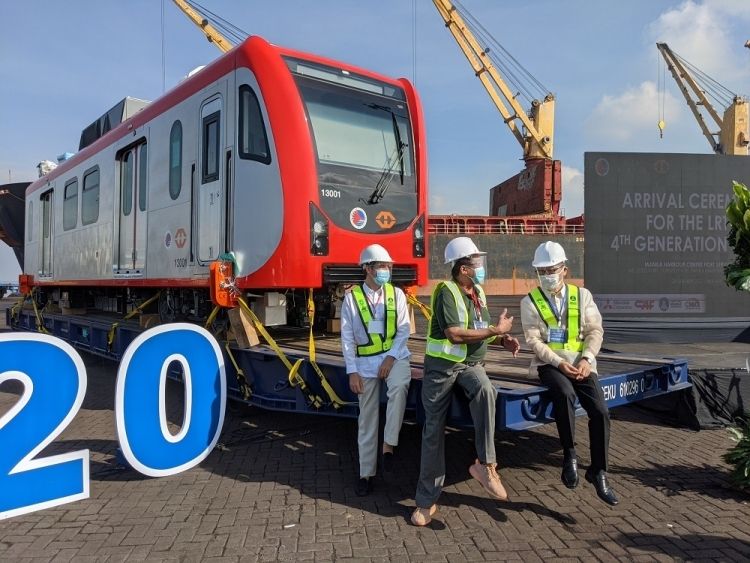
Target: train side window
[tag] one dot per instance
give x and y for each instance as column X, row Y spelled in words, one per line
column 126, row 182
column 142, row 177
column 175, row 160
column 70, row 205
column 253, row 141
column 30, row 222
column 210, row 168
column 90, row 197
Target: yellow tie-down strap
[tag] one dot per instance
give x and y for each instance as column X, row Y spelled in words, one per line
column 244, row 386
column 146, row 303
column 295, row 379
column 39, row 319
column 336, row 401
column 426, row 311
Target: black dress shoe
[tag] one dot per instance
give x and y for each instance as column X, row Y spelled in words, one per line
column 603, row 490
column 570, row 473
column 364, row 487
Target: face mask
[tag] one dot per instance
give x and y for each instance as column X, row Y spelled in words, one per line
column 550, row 282
column 478, row 276
column 382, row 276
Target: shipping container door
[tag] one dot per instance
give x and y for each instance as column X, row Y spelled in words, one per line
column 131, row 227
column 48, row 223
column 210, row 176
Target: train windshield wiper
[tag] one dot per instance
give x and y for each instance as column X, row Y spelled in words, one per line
column 396, row 157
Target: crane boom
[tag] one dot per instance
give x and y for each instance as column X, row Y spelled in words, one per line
column 732, row 135
column 211, row 33
column 537, row 141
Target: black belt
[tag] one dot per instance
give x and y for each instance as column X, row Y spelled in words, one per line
column 472, row 364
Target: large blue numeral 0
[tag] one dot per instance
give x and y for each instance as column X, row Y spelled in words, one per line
column 54, row 382
column 145, row 439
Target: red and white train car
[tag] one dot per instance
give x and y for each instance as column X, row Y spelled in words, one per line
column 290, row 161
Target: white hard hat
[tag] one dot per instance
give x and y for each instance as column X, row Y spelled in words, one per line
column 548, row 254
column 461, row 247
column 374, row 253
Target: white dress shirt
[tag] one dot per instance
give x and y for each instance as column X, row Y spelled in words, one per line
column 536, row 333
column 354, row 334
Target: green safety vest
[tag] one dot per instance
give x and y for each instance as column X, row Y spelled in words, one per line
column 543, row 307
column 376, row 344
column 442, row 347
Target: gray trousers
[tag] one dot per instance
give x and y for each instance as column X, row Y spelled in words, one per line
column 437, row 388
column 398, row 381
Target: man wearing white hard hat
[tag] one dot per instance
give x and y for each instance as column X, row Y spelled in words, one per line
column 374, row 331
column 457, row 339
column 563, row 328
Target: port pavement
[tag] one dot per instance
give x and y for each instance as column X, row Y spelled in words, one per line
column 281, row 487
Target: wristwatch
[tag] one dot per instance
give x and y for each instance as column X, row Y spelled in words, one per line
column 589, row 359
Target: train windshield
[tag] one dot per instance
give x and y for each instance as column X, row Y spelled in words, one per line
column 364, row 145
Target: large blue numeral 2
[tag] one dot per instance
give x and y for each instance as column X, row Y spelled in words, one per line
column 145, row 439
column 54, row 381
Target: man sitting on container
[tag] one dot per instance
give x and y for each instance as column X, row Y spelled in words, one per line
column 563, row 327
column 457, row 339
column 374, row 331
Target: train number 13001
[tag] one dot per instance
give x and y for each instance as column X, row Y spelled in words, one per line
column 54, row 384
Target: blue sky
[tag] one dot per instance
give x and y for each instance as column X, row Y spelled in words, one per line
column 62, row 64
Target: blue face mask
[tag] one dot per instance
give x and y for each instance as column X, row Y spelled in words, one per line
column 383, row 276
column 478, row 276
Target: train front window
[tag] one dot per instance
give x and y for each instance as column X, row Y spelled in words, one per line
column 353, row 129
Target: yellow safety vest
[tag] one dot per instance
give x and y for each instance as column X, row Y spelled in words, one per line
column 573, row 342
column 376, row 343
column 442, row 347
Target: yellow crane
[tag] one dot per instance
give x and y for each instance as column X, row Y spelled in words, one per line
column 732, row 136
column 212, row 34
column 533, row 129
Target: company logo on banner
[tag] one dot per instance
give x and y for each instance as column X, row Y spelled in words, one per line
column 54, row 383
column 651, row 303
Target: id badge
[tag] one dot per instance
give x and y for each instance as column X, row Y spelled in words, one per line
column 557, row 335
column 376, row 327
column 481, row 324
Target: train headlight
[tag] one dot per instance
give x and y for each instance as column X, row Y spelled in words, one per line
column 318, row 232
column 418, row 242
column 320, row 228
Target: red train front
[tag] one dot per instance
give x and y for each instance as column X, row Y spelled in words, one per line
column 289, row 162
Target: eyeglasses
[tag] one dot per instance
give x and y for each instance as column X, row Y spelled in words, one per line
column 550, row 270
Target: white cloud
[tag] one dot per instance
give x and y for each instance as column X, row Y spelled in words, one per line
column 617, row 120
column 700, row 33
column 572, row 199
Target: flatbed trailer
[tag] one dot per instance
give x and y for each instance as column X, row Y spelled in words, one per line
column 257, row 376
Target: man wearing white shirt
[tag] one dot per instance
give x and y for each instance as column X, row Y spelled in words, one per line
column 563, row 328
column 374, row 332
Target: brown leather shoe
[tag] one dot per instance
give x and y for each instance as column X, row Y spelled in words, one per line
column 423, row 516
column 487, row 476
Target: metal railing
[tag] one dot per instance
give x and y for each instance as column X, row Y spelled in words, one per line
column 469, row 224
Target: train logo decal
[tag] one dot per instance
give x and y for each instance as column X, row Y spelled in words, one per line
column 358, row 218
column 167, row 239
column 385, row 219
column 180, row 237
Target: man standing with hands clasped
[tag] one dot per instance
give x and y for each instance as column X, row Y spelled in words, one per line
column 374, row 331
column 457, row 339
column 563, row 327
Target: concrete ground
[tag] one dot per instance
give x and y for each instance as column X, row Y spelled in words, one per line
column 281, row 487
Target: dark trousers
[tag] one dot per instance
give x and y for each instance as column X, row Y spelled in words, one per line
column 589, row 393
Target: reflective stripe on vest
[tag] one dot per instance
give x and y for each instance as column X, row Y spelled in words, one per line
column 442, row 347
column 543, row 307
column 376, row 343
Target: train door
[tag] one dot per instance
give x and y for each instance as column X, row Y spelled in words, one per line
column 48, row 223
column 130, row 255
column 210, row 174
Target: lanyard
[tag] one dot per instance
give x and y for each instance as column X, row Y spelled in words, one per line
column 477, row 304
column 555, row 310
